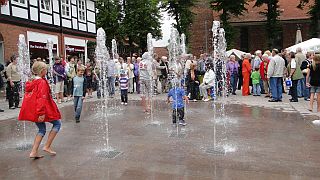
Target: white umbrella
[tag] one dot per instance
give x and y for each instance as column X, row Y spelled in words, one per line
column 235, row 52
column 309, row 45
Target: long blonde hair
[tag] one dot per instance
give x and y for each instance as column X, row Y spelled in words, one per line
column 316, row 60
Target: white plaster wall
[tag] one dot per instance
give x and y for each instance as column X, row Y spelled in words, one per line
column 19, row 12
column 34, row 14
column 45, row 18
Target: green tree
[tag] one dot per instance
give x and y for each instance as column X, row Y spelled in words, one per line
column 228, row 8
column 314, row 13
column 273, row 26
column 140, row 18
column 180, row 10
column 109, row 18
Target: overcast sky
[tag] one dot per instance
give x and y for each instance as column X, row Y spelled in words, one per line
column 166, row 29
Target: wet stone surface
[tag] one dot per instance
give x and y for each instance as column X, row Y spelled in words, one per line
column 249, row 143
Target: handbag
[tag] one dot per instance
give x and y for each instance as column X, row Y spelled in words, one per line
column 288, row 83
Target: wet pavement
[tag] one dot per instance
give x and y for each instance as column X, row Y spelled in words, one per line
column 251, row 143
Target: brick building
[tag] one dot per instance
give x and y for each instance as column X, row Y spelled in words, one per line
column 70, row 24
column 200, row 40
column 250, row 26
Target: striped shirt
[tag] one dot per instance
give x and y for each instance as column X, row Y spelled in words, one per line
column 123, row 82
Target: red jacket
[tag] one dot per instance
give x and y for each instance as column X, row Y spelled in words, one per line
column 37, row 101
column 262, row 70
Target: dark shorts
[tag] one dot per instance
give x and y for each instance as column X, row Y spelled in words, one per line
column 315, row 89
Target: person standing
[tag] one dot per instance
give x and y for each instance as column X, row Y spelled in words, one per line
column 246, row 70
column 313, row 79
column 299, row 58
column 263, row 73
column 124, row 85
column 164, row 74
column 255, row 76
column 137, row 74
column 59, row 75
column 13, row 83
column 232, row 69
column 295, row 75
column 130, row 69
column 71, row 73
column 304, row 68
column 256, row 64
column 146, row 77
column 275, row 74
column 111, row 67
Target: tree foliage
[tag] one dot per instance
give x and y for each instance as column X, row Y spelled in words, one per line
column 228, row 8
column 180, row 10
column 314, row 13
column 273, row 26
column 129, row 20
column 141, row 17
column 109, row 18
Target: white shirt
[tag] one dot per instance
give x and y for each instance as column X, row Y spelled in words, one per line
column 293, row 64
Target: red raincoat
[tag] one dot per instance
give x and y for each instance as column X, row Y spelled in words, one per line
column 37, row 101
column 262, row 70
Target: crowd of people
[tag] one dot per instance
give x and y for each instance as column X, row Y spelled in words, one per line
column 265, row 72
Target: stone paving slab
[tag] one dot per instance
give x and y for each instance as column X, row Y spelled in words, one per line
column 285, row 106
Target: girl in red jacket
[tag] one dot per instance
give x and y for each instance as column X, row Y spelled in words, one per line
column 39, row 107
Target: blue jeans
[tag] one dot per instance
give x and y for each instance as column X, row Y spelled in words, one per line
column 77, row 104
column 261, row 86
column 42, row 127
column 306, row 92
column 301, row 87
column 276, row 88
column 233, row 82
column 256, row 89
column 111, row 84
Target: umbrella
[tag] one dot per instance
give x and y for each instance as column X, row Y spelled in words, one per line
column 309, row 45
column 235, row 52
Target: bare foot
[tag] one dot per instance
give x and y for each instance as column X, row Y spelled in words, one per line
column 35, row 155
column 49, row 150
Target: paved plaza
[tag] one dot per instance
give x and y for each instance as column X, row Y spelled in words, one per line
column 277, row 141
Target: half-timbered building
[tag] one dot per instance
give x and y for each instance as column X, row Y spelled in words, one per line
column 70, row 24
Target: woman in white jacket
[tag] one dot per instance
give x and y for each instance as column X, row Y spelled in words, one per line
column 208, row 82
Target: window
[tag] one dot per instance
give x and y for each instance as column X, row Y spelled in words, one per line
column 45, row 5
column 19, row 2
column 82, row 10
column 65, row 8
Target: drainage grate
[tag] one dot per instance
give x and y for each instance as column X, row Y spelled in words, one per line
column 216, row 151
column 24, row 147
column 179, row 135
column 108, row 154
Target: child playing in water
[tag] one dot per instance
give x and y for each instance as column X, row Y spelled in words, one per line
column 39, row 107
column 79, row 91
column 124, row 86
column 178, row 95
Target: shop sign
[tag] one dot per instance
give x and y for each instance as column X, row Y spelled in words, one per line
column 72, row 49
column 38, row 45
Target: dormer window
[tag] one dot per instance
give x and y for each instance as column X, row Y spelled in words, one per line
column 82, row 10
column 45, row 5
column 65, row 8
